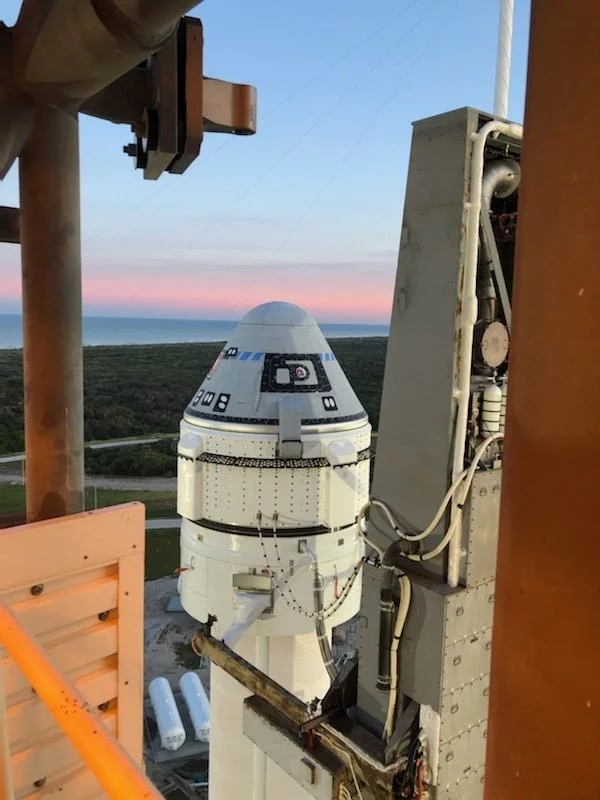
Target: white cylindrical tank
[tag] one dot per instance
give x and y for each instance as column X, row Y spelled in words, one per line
column 503, row 405
column 197, row 704
column 491, row 410
column 168, row 719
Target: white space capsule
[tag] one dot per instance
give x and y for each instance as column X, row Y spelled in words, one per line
column 273, row 468
column 197, row 704
column 168, row 719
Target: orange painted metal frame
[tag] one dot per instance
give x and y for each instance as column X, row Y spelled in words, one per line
column 113, row 767
column 71, row 623
column 544, row 730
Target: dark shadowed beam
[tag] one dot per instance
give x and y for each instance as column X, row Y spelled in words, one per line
column 545, row 699
column 9, row 225
column 125, row 100
column 65, row 52
column 16, row 113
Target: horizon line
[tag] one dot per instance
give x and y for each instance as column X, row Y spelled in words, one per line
column 197, row 319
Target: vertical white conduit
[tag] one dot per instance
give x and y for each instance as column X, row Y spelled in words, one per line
column 505, row 32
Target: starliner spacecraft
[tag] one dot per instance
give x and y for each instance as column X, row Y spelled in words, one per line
column 273, row 470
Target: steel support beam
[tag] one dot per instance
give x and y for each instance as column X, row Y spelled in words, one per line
column 52, row 352
column 9, row 225
column 65, row 52
column 545, row 698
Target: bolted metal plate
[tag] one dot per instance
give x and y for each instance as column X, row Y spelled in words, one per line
column 471, row 788
column 464, row 707
column 460, row 757
column 469, row 612
column 466, row 660
column 481, row 517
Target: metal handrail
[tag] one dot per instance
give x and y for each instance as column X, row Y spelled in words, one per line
column 114, row 768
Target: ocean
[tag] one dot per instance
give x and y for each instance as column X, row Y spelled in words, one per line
column 141, row 330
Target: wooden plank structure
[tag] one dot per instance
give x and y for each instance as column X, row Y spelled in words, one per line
column 75, row 584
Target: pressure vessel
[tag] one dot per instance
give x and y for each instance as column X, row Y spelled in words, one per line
column 168, row 719
column 197, row 704
column 491, row 410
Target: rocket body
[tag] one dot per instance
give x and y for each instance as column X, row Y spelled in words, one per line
column 273, row 469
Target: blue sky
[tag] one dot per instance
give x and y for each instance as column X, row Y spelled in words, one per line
column 309, row 209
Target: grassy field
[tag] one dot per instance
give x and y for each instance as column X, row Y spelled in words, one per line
column 159, row 505
column 162, row 553
column 133, row 390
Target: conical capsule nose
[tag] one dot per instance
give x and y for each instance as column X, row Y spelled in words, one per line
column 277, row 350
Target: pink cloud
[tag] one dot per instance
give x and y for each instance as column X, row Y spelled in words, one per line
column 330, row 291
column 353, row 297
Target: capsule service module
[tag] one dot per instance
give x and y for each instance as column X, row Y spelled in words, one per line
column 273, row 469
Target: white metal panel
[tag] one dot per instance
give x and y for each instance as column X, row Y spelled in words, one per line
column 189, row 488
column 289, row 757
column 211, row 559
column 341, row 497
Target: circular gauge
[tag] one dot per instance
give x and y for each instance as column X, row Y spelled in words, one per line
column 491, row 344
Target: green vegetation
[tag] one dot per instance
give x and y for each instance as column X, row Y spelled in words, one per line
column 157, row 459
column 184, row 655
column 159, row 505
column 162, row 553
column 140, row 390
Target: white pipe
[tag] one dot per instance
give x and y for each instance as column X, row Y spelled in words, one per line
column 452, row 533
column 505, row 32
column 405, row 592
column 469, row 314
column 410, row 537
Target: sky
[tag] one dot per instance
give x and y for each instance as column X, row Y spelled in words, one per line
column 309, row 209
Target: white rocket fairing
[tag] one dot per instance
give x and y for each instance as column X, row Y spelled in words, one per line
column 273, row 468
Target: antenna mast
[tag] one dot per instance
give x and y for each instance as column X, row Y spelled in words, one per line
column 507, row 12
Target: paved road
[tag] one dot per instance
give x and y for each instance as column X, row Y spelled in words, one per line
column 102, row 482
column 154, row 524
column 108, row 445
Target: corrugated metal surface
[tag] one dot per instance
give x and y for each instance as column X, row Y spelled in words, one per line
column 77, row 584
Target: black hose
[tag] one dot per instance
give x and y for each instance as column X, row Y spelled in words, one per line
column 322, row 637
column 386, row 631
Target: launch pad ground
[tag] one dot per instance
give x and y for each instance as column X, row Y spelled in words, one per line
column 167, row 637
column 167, row 652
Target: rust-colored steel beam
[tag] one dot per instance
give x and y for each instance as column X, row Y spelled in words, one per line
column 52, row 353
column 545, row 698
